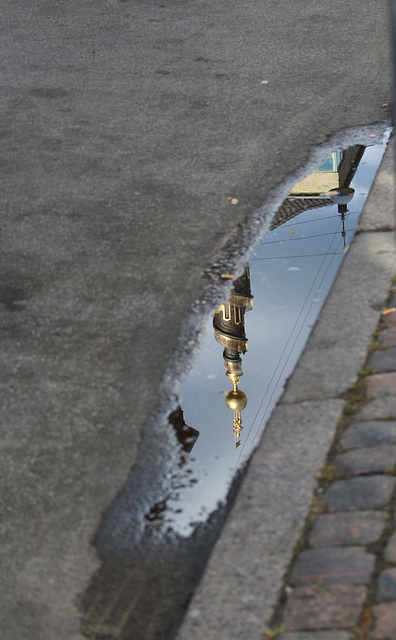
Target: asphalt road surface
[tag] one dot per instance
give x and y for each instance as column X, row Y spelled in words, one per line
column 126, row 127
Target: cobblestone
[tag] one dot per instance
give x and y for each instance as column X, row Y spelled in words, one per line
column 383, row 360
column 330, row 606
column 316, row 635
column 387, row 337
column 382, row 408
column 333, row 565
column 369, row 434
column 373, row 492
column 390, row 550
column 385, row 621
column 334, row 580
column 354, row 528
column 381, row 385
column 370, row 460
column 387, row 585
column 390, row 319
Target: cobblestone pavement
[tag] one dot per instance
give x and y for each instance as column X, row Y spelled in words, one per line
column 342, row 583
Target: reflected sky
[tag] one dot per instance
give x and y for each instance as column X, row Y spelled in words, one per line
column 292, row 269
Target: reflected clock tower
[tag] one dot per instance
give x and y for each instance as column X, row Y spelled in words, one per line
column 229, row 331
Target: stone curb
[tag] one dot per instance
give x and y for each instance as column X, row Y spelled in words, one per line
column 241, row 585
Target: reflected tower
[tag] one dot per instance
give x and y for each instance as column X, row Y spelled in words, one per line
column 229, row 331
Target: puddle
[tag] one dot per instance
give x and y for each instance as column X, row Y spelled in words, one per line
column 270, row 314
column 153, row 550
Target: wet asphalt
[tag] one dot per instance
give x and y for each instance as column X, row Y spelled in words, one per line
column 126, row 129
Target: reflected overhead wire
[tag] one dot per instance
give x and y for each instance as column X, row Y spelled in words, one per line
column 289, row 339
column 305, row 255
column 315, row 235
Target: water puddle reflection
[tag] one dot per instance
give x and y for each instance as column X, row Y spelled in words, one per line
column 283, row 288
column 153, row 550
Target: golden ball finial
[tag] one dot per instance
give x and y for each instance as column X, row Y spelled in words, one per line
column 236, row 400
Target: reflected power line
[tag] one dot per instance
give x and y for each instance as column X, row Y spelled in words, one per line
column 290, row 337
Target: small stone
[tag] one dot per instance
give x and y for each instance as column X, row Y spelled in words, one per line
column 387, row 585
column 330, row 606
column 369, row 460
column 316, row 635
column 387, row 337
column 381, row 408
column 385, row 621
column 383, row 360
column 373, row 492
column 354, row 528
column 390, row 550
column 333, row 565
column 381, row 385
column 369, row 434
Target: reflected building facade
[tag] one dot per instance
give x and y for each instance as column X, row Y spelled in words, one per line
column 320, row 187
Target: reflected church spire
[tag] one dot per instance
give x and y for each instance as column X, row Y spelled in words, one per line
column 229, row 331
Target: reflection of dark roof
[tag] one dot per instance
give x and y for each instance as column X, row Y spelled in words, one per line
column 291, row 207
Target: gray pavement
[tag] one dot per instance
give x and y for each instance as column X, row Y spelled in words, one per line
column 125, row 130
